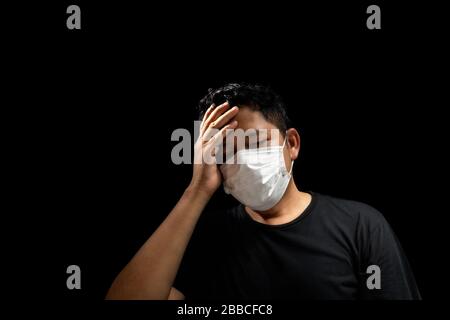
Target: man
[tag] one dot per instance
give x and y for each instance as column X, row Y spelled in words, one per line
column 279, row 242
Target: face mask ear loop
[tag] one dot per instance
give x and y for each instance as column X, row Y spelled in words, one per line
column 292, row 166
column 284, row 142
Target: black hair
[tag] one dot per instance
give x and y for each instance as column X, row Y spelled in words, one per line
column 257, row 97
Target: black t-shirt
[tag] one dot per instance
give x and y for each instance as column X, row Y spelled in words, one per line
column 322, row 254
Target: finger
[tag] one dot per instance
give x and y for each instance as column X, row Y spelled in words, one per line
column 206, row 115
column 221, row 121
column 224, row 118
column 215, row 144
column 223, row 132
column 217, row 111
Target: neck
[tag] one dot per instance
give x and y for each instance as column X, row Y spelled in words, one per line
column 291, row 205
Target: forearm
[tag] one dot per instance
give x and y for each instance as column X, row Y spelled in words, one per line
column 151, row 272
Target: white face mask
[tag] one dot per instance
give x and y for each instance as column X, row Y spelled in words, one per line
column 258, row 178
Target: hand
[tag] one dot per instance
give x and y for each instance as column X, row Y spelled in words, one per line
column 206, row 176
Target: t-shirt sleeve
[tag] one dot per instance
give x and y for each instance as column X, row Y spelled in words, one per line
column 382, row 255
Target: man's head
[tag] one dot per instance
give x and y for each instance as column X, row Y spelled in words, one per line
column 257, row 183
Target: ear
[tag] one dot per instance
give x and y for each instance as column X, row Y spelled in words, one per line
column 293, row 143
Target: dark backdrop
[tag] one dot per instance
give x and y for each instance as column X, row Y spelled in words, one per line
column 108, row 97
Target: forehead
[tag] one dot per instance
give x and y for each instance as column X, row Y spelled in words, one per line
column 251, row 122
column 252, row 119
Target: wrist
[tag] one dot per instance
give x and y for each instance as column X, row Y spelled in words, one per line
column 196, row 190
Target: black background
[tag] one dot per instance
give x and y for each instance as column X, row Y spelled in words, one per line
column 105, row 100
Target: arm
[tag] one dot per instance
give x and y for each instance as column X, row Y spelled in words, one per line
column 152, row 271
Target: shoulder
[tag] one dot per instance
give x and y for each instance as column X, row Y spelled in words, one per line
column 357, row 212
